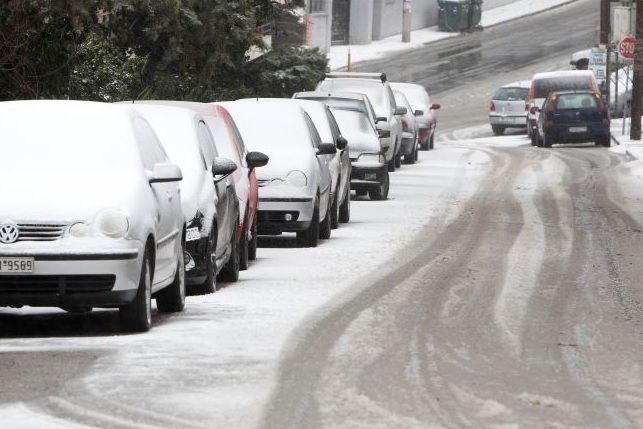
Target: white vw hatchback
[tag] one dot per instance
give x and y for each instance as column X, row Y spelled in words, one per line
column 93, row 216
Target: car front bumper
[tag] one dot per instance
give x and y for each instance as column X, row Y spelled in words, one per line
column 284, row 209
column 366, row 176
column 73, row 272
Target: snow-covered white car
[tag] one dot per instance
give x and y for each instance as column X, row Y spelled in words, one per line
column 93, row 215
column 295, row 186
column 509, row 107
column 410, row 132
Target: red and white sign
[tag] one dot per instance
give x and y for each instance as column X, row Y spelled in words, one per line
column 626, row 47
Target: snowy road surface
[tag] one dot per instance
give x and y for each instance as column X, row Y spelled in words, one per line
column 497, row 285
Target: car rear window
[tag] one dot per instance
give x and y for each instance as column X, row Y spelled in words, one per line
column 511, row 94
column 542, row 87
column 576, row 101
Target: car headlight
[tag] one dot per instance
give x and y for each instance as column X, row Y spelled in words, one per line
column 110, row 222
column 370, row 157
column 297, row 178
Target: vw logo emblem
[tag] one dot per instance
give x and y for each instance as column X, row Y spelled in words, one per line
column 8, row 233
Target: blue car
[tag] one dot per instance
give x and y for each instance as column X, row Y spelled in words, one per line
column 573, row 117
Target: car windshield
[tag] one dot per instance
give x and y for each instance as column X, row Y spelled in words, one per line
column 353, row 123
column 374, row 91
column 511, row 94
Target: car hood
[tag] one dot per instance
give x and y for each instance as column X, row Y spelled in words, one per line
column 283, row 162
column 66, row 195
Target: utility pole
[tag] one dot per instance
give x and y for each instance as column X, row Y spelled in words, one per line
column 406, row 21
column 605, row 23
column 637, row 84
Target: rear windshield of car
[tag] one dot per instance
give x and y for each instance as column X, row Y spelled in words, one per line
column 511, row 94
column 576, row 101
column 542, row 87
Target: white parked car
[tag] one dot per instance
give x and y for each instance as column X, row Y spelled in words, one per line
column 410, row 131
column 208, row 197
column 380, row 93
column 94, row 218
column 295, row 186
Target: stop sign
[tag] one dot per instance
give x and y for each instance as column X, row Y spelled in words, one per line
column 626, row 47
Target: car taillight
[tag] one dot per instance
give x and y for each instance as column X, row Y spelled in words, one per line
column 405, row 124
column 532, row 110
column 527, row 108
column 492, row 106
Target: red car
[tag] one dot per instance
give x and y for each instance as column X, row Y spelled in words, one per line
column 231, row 145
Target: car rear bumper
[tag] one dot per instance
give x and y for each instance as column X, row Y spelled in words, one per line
column 408, row 143
column 509, row 121
column 564, row 135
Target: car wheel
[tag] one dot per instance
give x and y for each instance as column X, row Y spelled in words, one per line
column 603, row 141
column 431, row 141
column 310, row 237
column 544, row 141
column 398, row 161
column 230, row 271
column 172, row 298
column 243, row 247
column 534, row 139
column 137, row 315
column 380, row 193
column 417, row 149
column 326, row 225
column 410, row 158
column 345, row 207
column 254, row 241
column 391, row 164
column 209, row 285
column 334, row 210
column 498, row 129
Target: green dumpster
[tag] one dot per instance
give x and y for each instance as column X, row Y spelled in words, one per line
column 475, row 14
column 453, row 15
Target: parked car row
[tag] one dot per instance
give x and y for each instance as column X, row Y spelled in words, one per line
column 116, row 204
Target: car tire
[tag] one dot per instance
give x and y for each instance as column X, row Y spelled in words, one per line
column 325, row 227
column 137, row 315
column 230, row 271
column 334, row 210
column 544, row 141
column 310, row 236
column 431, row 141
column 254, row 241
column 603, row 141
column 498, row 129
column 209, row 285
column 391, row 165
column 172, row 298
column 380, row 193
column 534, row 139
column 398, row 161
column 243, row 247
column 410, row 158
column 345, row 207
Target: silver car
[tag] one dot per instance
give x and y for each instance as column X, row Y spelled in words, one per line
column 95, row 218
column 509, row 107
column 378, row 90
column 295, row 186
column 208, row 196
column 423, row 110
column 410, row 132
column 370, row 172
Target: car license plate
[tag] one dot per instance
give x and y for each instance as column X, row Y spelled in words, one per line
column 370, row 176
column 577, row 129
column 192, row 234
column 16, row 265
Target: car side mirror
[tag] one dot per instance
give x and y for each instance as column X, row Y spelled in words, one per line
column 341, row 143
column 326, row 149
column 418, row 113
column 383, row 134
column 400, row 110
column 222, row 167
column 256, row 159
column 164, row 172
column 435, row 106
column 534, row 110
